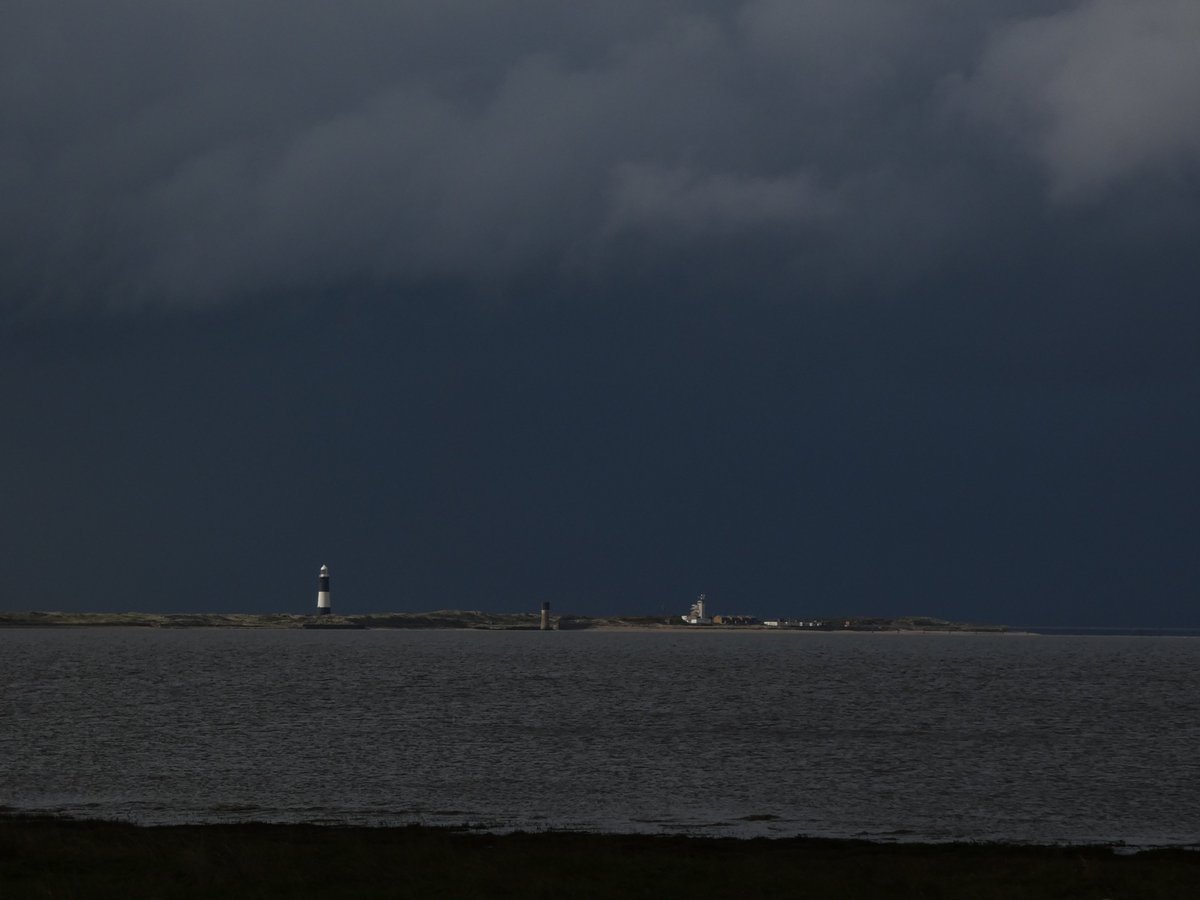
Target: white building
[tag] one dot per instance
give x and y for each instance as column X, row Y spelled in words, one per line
column 699, row 615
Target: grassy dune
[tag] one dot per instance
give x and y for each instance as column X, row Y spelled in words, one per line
column 42, row 857
column 442, row 618
column 445, row 618
column 150, row 620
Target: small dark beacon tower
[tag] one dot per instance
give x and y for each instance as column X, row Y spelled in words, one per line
column 324, row 608
column 546, row 616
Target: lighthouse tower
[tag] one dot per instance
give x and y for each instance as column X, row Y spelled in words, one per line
column 324, row 608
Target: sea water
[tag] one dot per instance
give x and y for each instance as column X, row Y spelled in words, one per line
column 884, row 736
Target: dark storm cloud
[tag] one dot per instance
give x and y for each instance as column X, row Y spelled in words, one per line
column 1098, row 93
column 192, row 154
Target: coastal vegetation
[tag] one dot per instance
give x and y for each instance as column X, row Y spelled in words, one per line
column 47, row 857
column 458, row 618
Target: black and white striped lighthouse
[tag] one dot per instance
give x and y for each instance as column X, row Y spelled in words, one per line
column 324, row 608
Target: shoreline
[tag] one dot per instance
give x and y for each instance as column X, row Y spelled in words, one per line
column 47, row 856
column 450, row 620
column 473, row 620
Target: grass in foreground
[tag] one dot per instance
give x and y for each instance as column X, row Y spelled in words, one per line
column 43, row 857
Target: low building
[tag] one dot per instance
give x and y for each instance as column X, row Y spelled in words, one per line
column 734, row 620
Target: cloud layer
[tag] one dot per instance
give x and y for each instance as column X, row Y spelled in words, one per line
column 195, row 154
column 1098, row 93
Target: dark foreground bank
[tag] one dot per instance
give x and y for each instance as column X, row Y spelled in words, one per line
column 42, row 857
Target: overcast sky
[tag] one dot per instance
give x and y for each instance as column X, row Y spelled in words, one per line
column 884, row 306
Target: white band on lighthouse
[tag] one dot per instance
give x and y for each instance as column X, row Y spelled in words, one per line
column 324, row 607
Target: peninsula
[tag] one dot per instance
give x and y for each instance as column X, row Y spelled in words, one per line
column 473, row 619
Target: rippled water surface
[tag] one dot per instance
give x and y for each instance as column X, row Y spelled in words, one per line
column 893, row 737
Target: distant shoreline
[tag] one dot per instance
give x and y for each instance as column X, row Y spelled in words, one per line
column 473, row 620
column 478, row 621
